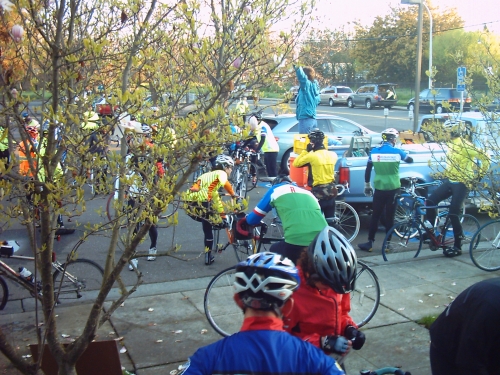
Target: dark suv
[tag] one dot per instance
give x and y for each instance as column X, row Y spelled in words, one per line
column 374, row 95
column 431, row 100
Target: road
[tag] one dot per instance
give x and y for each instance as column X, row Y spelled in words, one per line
column 188, row 262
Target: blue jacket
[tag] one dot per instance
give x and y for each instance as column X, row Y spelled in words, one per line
column 308, row 96
column 262, row 351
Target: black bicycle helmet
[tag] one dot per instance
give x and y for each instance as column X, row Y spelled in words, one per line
column 316, row 136
column 265, row 281
column 282, row 178
column 334, row 260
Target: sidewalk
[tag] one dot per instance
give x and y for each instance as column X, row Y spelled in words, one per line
column 164, row 323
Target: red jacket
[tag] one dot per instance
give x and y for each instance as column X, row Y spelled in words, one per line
column 317, row 313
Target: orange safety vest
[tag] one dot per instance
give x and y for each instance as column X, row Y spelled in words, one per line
column 24, row 165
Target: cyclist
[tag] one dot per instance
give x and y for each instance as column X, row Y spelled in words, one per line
column 204, row 203
column 460, row 166
column 321, row 163
column 298, row 211
column 267, row 143
column 320, row 315
column 466, row 336
column 263, row 286
column 385, row 159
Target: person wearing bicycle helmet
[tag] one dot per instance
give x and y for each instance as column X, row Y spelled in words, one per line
column 321, row 165
column 465, row 337
column 461, row 168
column 299, row 212
column 385, row 159
column 263, row 287
column 267, row 143
column 320, row 315
column 204, row 203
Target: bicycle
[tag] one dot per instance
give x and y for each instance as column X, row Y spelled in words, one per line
column 204, row 166
column 346, row 219
column 405, row 239
column 486, row 255
column 71, row 279
column 112, row 208
column 410, row 191
column 385, row 371
column 226, row 318
column 246, row 173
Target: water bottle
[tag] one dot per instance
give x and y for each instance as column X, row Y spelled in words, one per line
column 428, row 225
column 26, row 274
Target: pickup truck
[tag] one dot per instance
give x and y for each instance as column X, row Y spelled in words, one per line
column 351, row 167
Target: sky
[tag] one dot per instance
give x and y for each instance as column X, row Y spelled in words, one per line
column 337, row 13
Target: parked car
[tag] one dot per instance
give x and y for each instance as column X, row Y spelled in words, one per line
column 286, row 126
column 335, row 95
column 374, row 95
column 431, row 100
column 292, row 93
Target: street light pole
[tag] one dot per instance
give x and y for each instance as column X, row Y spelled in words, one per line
column 430, row 44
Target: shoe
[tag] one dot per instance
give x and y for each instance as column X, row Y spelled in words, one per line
column 152, row 254
column 451, row 252
column 209, row 258
column 367, row 246
column 133, row 263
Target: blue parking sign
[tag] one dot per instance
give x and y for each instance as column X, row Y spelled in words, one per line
column 461, row 73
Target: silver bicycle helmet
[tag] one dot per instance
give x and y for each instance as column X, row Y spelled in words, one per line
column 265, row 281
column 224, row 161
column 389, row 134
column 334, row 260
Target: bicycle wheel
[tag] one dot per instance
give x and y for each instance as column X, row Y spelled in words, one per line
column 484, row 248
column 365, row 298
column 470, row 226
column 81, row 276
column 401, row 243
column 244, row 248
column 241, row 185
column 4, row 293
column 346, row 220
column 171, row 208
column 222, row 313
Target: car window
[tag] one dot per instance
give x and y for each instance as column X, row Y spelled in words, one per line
column 294, row 129
column 323, row 125
column 271, row 123
column 344, row 90
column 341, row 126
column 362, row 90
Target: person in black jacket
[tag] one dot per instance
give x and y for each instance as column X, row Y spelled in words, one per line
column 465, row 338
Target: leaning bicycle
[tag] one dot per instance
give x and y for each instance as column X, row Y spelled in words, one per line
column 72, row 279
column 405, row 239
column 226, row 318
column 346, row 219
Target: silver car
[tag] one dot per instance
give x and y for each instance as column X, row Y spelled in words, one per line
column 335, row 95
column 286, row 126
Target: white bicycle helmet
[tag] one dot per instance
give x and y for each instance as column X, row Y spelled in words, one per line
column 224, row 161
column 390, row 134
column 265, row 281
column 334, row 260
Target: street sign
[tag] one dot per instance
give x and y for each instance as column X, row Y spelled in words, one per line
column 461, row 73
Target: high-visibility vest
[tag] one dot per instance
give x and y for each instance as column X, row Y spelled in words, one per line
column 24, row 165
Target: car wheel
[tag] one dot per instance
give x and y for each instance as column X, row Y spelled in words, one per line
column 411, row 107
column 368, row 104
column 285, row 162
column 350, row 103
column 331, row 102
column 439, row 109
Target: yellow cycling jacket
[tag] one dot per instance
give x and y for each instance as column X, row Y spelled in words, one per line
column 322, row 164
column 206, row 189
column 461, row 161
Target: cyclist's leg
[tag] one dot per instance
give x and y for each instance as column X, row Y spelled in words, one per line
column 270, row 158
column 442, row 192
column 459, row 193
column 327, row 207
column 153, row 236
column 390, row 208
column 292, row 252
